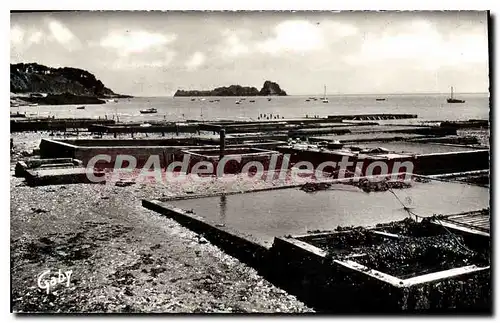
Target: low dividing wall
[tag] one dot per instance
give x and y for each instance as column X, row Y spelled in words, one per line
column 54, row 124
column 74, row 175
column 24, row 165
column 169, row 150
column 342, row 286
column 424, row 164
column 348, row 287
column 234, row 243
column 244, row 156
column 155, row 128
column 460, row 161
column 377, row 116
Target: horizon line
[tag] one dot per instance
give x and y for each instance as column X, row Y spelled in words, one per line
column 328, row 95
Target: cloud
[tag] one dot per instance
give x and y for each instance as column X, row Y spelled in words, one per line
column 21, row 39
column 303, row 36
column 16, row 34
column 337, row 30
column 233, row 44
column 293, row 35
column 36, row 37
column 195, row 61
column 136, row 41
column 297, row 36
column 419, row 42
column 60, row 33
column 133, row 62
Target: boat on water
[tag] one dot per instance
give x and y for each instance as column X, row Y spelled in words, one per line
column 308, row 100
column 149, row 110
column 33, row 104
column 380, row 99
column 237, row 102
column 252, row 101
column 193, row 99
column 451, row 99
column 269, row 99
column 325, row 99
column 80, row 107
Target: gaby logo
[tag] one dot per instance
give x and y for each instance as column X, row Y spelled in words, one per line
column 46, row 281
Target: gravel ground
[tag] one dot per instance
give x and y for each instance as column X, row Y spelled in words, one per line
column 123, row 257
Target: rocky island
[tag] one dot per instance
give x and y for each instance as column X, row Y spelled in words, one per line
column 269, row 88
column 45, row 85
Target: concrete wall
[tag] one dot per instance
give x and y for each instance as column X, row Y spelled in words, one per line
column 234, row 167
column 167, row 154
column 340, row 289
column 425, row 164
column 461, row 161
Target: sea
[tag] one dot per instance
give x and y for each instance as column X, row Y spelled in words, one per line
column 428, row 107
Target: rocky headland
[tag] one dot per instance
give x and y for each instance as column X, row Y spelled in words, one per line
column 269, row 88
column 35, row 83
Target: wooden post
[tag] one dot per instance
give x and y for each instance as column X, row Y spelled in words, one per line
column 222, row 142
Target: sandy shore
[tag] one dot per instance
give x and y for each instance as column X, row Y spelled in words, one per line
column 124, row 258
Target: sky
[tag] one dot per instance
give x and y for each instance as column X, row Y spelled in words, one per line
column 156, row 53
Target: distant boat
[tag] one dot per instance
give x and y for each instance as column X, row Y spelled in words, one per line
column 193, row 99
column 325, row 100
column 269, row 99
column 252, row 100
column 81, row 107
column 380, row 99
column 33, row 104
column 149, row 110
column 237, row 102
column 308, row 100
column 451, row 99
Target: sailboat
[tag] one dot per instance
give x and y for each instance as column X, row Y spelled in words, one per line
column 325, row 100
column 453, row 100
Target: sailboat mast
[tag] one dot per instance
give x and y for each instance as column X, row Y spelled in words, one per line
column 452, row 92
